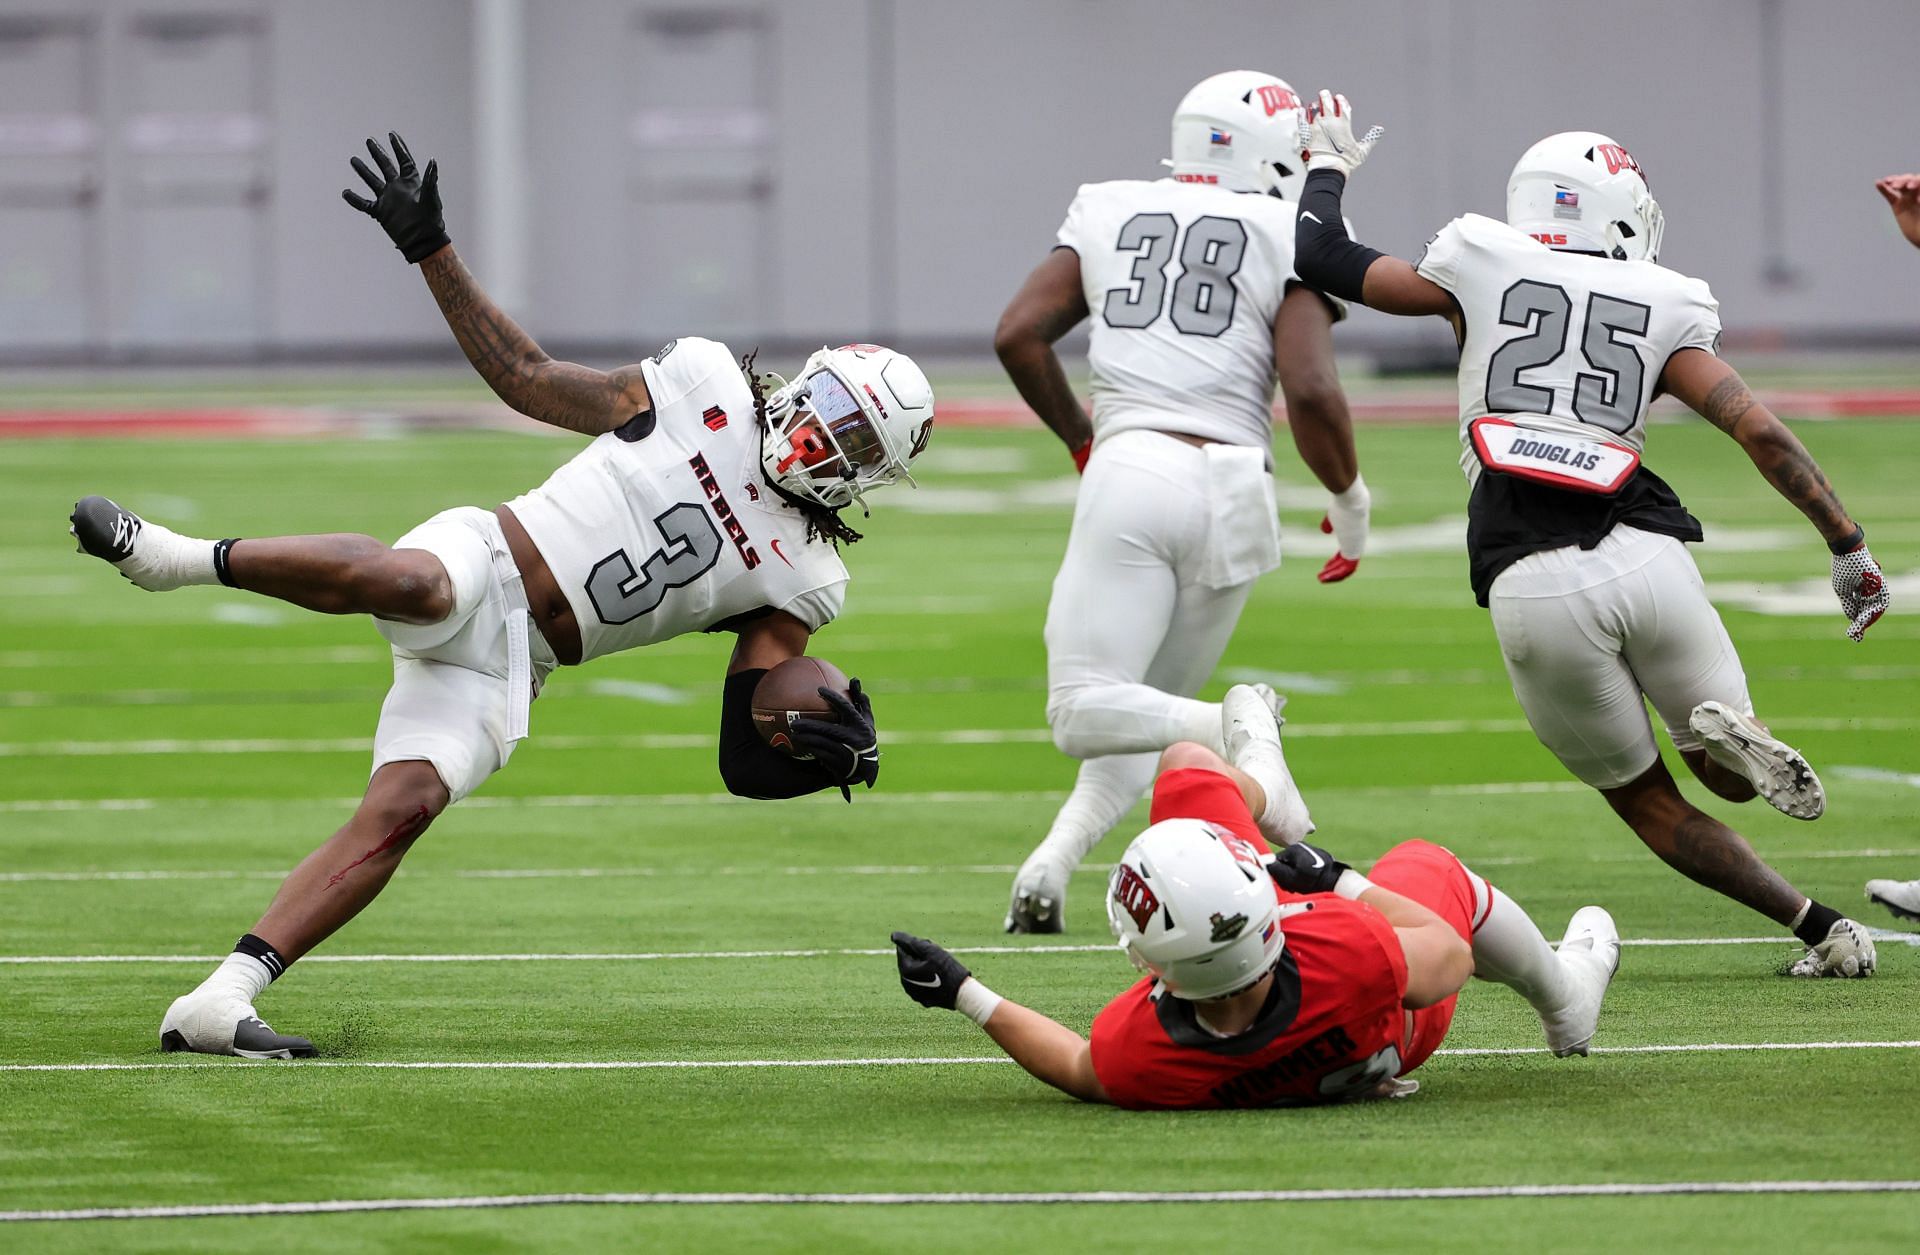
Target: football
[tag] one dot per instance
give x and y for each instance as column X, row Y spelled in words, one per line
column 790, row 691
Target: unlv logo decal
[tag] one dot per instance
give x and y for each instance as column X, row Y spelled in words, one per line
column 920, row 438
column 1274, row 98
column 1131, row 891
column 1618, row 159
column 715, row 418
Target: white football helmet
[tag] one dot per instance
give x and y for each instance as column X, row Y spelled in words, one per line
column 1585, row 189
column 854, row 418
column 1240, row 130
column 1192, row 904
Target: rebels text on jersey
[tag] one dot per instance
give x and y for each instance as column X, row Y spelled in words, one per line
column 654, row 531
column 1183, row 281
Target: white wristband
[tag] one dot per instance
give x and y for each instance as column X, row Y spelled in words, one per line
column 976, row 1001
column 1350, row 885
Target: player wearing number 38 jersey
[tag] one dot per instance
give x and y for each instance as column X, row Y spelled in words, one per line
column 1568, row 328
column 1195, row 310
column 708, row 501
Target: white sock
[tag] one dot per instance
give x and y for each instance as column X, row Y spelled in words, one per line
column 164, row 557
column 1107, row 719
column 1284, row 818
column 1103, row 793
column 1508, row 948
column 239, row 974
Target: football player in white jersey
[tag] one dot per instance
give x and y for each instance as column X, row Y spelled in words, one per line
column 1196, row 311
column 1568, row 329
column 703, row 504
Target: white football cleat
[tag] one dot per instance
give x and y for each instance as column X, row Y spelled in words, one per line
column 214, row 1022
column 1846, row 952
column 1590, row 951
column 156, row 558
column 1250, row 729
column 1039, row 902
column 1778, row 772
column 1902, row 897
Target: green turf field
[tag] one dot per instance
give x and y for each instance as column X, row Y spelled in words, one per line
column 164, row 758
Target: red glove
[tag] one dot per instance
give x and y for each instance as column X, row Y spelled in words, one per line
column 1081, row 454
column 1339, row 566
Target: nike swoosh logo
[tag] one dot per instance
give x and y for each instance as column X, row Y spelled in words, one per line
column 776, row 551
column 924, row 984
column 1305, row 214
column 1318, row 862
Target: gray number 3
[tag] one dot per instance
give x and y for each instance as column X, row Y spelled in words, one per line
column 620, row 594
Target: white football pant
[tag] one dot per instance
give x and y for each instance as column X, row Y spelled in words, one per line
column 1586, row 632
column 1168, row 539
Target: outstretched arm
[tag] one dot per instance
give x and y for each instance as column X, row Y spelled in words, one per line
column 1324, row 255
column 1047, row 1049
column 561, row 394
column 1716, row 392
column 1047, row 306
column 406, row 204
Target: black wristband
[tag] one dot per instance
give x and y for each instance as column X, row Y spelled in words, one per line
column 1849, row 542
column 1323, row 255
column 221, row 551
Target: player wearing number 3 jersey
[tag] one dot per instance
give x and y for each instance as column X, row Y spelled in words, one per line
column 1568, row 329
column 1278, row 980
column 1196, row 311
column 708, row 501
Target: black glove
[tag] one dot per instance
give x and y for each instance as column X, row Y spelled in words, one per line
column 848, row 749
column 930, row 975
column 405, row 202
column 1303, row 868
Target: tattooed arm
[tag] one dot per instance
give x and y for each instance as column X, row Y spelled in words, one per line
column 1716, row 392
column 558, row 393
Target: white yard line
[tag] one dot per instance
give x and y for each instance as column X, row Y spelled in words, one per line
column 1419, row 1193
column 651, row 956
column 91, row 875
column 204, row 1063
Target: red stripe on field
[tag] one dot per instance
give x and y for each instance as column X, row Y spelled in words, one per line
column 64, row 424
column 281, row 421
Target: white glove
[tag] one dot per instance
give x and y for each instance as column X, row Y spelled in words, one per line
column 1327, row 135
column 1346, row 521
column 1862, row 590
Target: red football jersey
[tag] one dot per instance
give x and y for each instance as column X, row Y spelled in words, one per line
column 1333, row 1027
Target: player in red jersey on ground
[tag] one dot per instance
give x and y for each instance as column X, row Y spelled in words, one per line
column 1278, row 980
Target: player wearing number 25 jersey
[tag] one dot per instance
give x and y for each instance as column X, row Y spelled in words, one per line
column 1278, row 980
column 708, row 501
column 1568, row 328
column 1195, row 310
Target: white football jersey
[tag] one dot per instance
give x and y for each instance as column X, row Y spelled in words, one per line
column 672, row 530
column 1576, row 341
column 1183, row 281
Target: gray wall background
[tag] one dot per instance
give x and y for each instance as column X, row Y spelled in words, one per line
column 170, row 171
